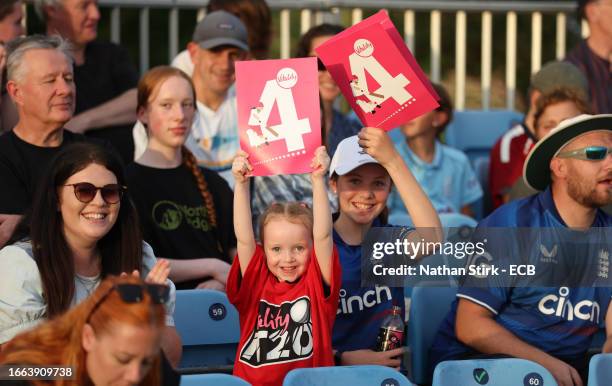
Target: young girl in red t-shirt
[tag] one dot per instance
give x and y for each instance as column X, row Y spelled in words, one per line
column 286, row 289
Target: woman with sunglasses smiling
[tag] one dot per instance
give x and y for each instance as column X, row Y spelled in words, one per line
column 111, row 338
column 82, row 227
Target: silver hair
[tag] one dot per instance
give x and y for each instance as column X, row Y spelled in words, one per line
column 17, row 48
column 39, row 6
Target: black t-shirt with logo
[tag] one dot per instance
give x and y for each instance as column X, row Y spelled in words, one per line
column 22, row 165
column 174, row 216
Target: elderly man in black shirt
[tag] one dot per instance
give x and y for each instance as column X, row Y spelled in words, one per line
column 41, row 85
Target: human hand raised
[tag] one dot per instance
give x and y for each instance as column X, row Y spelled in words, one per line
column 377, row 143
column 320, row 163
column 241, row 168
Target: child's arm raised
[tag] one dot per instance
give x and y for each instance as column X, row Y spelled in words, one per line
column 243, row 226
column 322, row 227
column 377, row 143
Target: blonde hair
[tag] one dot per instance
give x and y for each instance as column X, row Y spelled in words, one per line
column 295, row 212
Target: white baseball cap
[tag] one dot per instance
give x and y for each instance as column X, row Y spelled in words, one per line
column 349, row 156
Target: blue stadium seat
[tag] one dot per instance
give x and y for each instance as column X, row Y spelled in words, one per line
column 456, row 220
column 600, row 370
column 475, row 131
column 428, row 308
column 209, row 327
column 498, row 372
column 369, row 375
column 212, row 379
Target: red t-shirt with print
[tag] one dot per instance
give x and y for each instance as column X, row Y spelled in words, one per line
column 283, row 326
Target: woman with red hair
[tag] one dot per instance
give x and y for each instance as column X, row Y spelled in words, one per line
column 112, row 337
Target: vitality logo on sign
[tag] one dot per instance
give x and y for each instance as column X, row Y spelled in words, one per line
column 282, row 333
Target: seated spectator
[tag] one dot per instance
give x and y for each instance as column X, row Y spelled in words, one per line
column 11, row 15
column 186, row 211
column 104, row 76
column 90, row 230
column 219, row 40
column 336, row 126
column 593, row 54
column 444, row 173
column 256, row 16
column 551, row 109
column 112, row 337
column 362, row 172
column 510, row 151
column 39, row 134
column 513, row 321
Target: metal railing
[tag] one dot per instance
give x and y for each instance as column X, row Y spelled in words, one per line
column 313, row 12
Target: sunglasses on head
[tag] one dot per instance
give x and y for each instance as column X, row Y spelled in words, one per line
column 590, row 153
column 134, row 293
column 86, row 192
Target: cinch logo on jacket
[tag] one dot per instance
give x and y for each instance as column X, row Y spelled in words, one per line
column 369, row 299
column 563, row 307
column 281, row 334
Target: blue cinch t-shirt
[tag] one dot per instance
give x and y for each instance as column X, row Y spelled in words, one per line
column 360, row 310
column 560, row 321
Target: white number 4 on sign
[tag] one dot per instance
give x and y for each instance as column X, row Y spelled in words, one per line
column 361, row 61
column 291, row 129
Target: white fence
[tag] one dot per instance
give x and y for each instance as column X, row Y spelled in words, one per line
column 313, row 12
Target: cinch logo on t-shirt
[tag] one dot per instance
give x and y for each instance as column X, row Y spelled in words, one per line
column 369, row 299
column 281, row 334
column 563, row 307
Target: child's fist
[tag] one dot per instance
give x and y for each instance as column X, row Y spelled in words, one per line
column 241, row 168
column 377, row 143
column 320, row 162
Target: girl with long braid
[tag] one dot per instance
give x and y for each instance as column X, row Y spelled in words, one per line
column 186, row 210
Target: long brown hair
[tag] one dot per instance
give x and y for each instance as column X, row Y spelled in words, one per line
column 120, row 249
column 147, row 89
column 59, row 341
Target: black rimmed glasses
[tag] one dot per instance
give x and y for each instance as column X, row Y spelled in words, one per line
column 590, row 153
column 86, row 192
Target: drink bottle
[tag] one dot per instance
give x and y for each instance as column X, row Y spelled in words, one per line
column 391, row 334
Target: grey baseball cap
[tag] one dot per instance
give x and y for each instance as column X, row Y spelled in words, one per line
column 557, row 74
column 220, row 28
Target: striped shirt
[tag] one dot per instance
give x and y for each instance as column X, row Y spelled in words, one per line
column 597, row 71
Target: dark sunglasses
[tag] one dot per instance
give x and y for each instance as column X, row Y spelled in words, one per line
column 591, row 153
column 86, row 192
column 134, row 293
